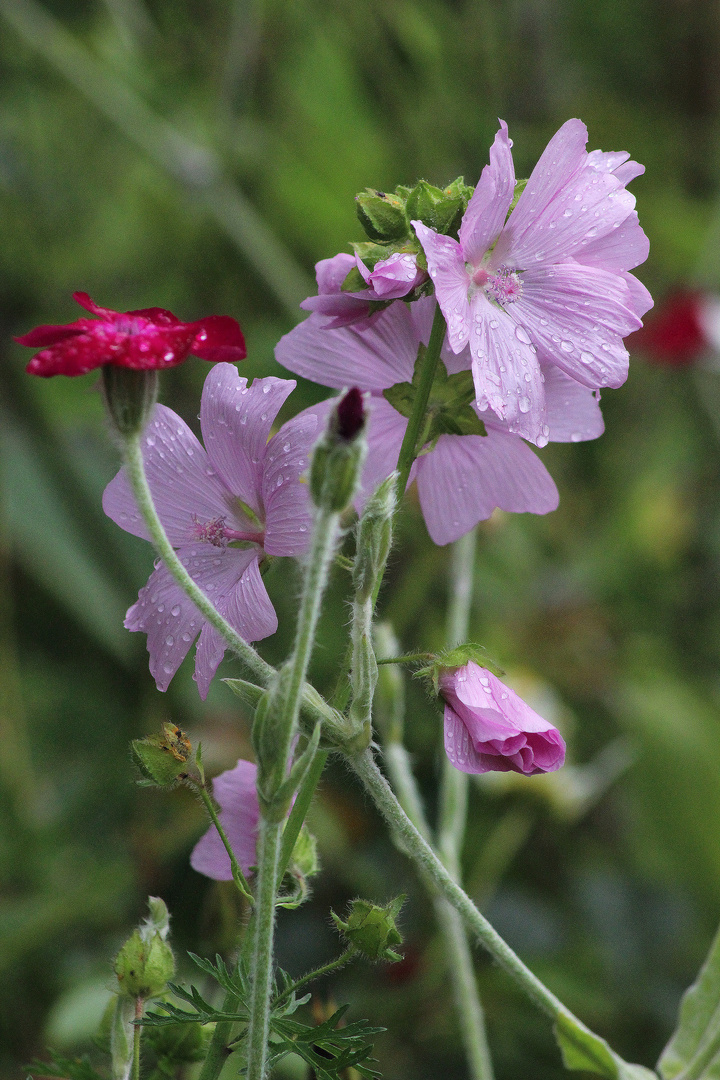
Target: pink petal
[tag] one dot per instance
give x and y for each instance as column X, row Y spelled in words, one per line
column 385, row 431
column 236, row 420
column 573, row 410
column 377, row 358
column 560, row 160
column 157, row 315
column 395, row 277
column 236, row 793
column 42, row 336
column 177, row 471
column 591, row 205
column 170, row 620
column 446, row 267
column 577, row 316
column 330, row 273
column 641, row 300
column 219, row 339
column 505, row 369
column 286, row 499
column 243, row 601
column 620, row 249
column 466, row 477
column 488, row 207
column 155, row 347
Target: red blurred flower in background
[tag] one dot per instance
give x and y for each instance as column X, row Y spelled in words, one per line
column 683, row 328
column 143, row 340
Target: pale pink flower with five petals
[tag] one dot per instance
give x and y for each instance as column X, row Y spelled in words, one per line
column 551, row 283
column 223, row 508
column 390, row 279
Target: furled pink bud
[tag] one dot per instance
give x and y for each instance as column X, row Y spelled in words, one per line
column 488, row 728
column 350, row 414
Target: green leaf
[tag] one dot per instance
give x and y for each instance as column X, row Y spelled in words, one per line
column 698, row 1028
column 68, row 1068
column 582, row 1050
column 449, row 408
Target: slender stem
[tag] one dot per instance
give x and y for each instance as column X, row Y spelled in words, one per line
column 471, row 1016
column 300, row 808
column 409, row 448
column 319, row 560
column 218, row 1052
column 421, row 852
column 318, row 973
column 238, row 876
column 137, row 1033
column 409, row 658
column 398, row 764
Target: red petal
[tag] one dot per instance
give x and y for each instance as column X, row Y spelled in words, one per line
column 157, row 315
column 157, row 347
column 84, row 300
column 48, row 335
column 218, row 338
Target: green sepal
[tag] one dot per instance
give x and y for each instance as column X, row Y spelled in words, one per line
column 354, row 281
column 449, row 407
column 304, row 864
column 371, row 928
column 130, row 397
column 372, row 253
column 277, row 807
column 143, row 967
column 382, row 215
column 582, row 1050
column 457, row 658
column 163, row 759
column 337, row 463
column 121, row 1037
column 439, row 209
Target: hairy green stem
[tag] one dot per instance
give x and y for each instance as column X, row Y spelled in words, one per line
column 322, row 550
column 318, row 973
column 238, row 876
column 420, row 851
column 137, row 1034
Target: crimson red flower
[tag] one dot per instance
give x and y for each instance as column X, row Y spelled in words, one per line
column 142, row 340
column 682, row 328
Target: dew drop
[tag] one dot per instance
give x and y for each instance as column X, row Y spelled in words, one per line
column 524, row 404
column 168, row 669
column 175, row 611
column 576, row 436
column 186, row 637
column 587, row 358
column 542, row 440
column 150, row 440
column 169, row 640
column 522, row 335
column 161, row 607
column 566, row 346
column 266, row 388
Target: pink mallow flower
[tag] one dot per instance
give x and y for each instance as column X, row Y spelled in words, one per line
column 223, row 508
column 236, row 795
column 488, row 728
column 144, row 339
column 390, row 279
column 463, row 478
column 549, row 285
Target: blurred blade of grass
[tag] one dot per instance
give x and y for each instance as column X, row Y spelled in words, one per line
column 195, row 167
column 49, row 547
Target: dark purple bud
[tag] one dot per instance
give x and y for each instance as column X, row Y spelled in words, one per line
column 350, row 414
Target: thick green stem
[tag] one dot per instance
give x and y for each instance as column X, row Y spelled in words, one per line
column 238, row 876
column 421, row 853
column 409, row 448
column 319, row 559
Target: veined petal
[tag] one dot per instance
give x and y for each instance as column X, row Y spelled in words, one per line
column 560, row 160
column 466, row 477
column 446, row 267
column 373, row 359
column 622, row 248
column 243, row 601
column 505, row 369
column 286, row 498
column 177, row 470
column 577, row 316
column 573, row 410
column 385, row 432
column 236, row 793
column 236, row 420
column 488, row 207
column 641, row 300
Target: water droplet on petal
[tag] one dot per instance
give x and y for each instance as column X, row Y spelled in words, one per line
column 566, row 346
column 587, row 358
column 524, row 404
column 522, row 335
column 576, row 436
column 168, row 669
column 169, row 640
column 175, row 611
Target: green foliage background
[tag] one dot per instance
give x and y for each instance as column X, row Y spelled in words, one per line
column 201, row 157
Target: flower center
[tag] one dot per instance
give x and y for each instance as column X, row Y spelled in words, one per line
column 215, row 532
column 503, row 285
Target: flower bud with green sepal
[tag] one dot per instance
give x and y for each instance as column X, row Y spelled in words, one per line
column 457, row 658
column 382, row 215
column 164, row 759
column 339, row 455
column 146, row 962
column 371, row 928
column 304, row 864
column 439, row 209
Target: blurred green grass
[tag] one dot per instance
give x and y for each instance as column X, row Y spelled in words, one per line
column 202, row 157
